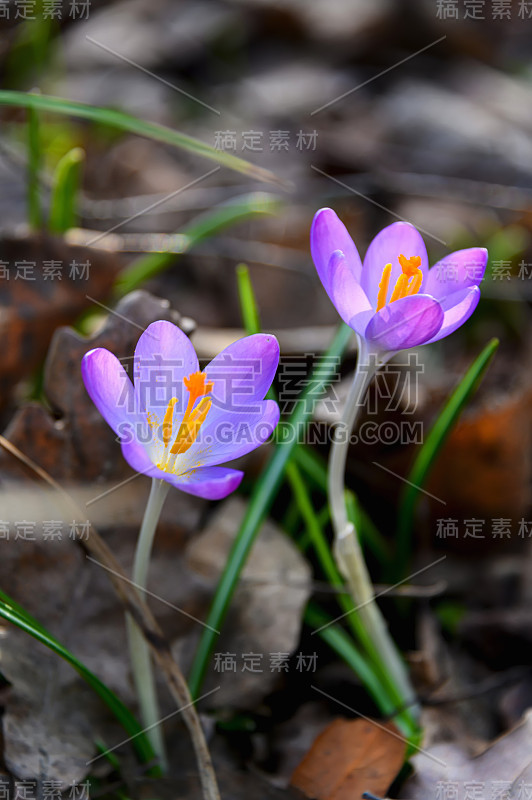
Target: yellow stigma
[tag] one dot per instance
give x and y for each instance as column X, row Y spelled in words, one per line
column 197, row 386
column 410, row 266
column 408, row 283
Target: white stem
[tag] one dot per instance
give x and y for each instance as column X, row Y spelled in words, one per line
column 347, row 548
column 139, row 650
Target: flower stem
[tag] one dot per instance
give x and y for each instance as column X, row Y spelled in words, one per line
column 139, row 650
column 347, row 548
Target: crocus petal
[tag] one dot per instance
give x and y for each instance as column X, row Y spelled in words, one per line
column 243, row 372
column 397, row 239
column 225, row 437
column 405, row 323
column 456, row 271
column 164, row 355
column 328, row 234
column 213, row 483
column 344, row 290
column 110, row 389
column 137, row 457
column 457, row 308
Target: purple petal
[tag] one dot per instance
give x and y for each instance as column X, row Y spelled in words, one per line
column 137, row 457
column 243, row 372
column 328, row 234
column 110, row 389
column 164, row 355
column 457, row 308
column 386, row 247
column 455, row 272
column 212, row 483
column 405, row 323
column 224, row 437
column 344, row 290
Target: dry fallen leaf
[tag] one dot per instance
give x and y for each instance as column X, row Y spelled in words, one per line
column 348, row 758
column 501, row 772
column 46, row 283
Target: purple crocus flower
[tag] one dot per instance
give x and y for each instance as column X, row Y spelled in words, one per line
column 393, row 300
column 177, row 423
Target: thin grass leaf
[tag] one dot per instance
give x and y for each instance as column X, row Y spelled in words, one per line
column 248, row 304
column 130, row 124
column 339, row 641
column 369, row 533
column 65, row 187
column 109, row 756
column 315, row 468
column 431, row 448
column 228, row 213
column 34, row 168
column 13, row 612
column 250, row 310
column 291, row 518
column 260, row 502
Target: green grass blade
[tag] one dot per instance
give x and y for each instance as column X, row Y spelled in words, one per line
column 66, row 181
column 432, row 446
column 13, row 612
column 248, row 304
column 130, row 124
column 315, row 468
column 260, row 502
column 369, row 533
column 34, row 168
column 339, row 641
column 224, row 215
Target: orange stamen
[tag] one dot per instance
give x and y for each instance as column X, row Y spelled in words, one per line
column 198, row 386
column 167, row 421
column 383, row 286
column 400, row 288
column 415, row 284
column 408, row 283
column 189, row 428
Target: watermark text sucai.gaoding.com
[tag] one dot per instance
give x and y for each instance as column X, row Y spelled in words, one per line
column 241, row 432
